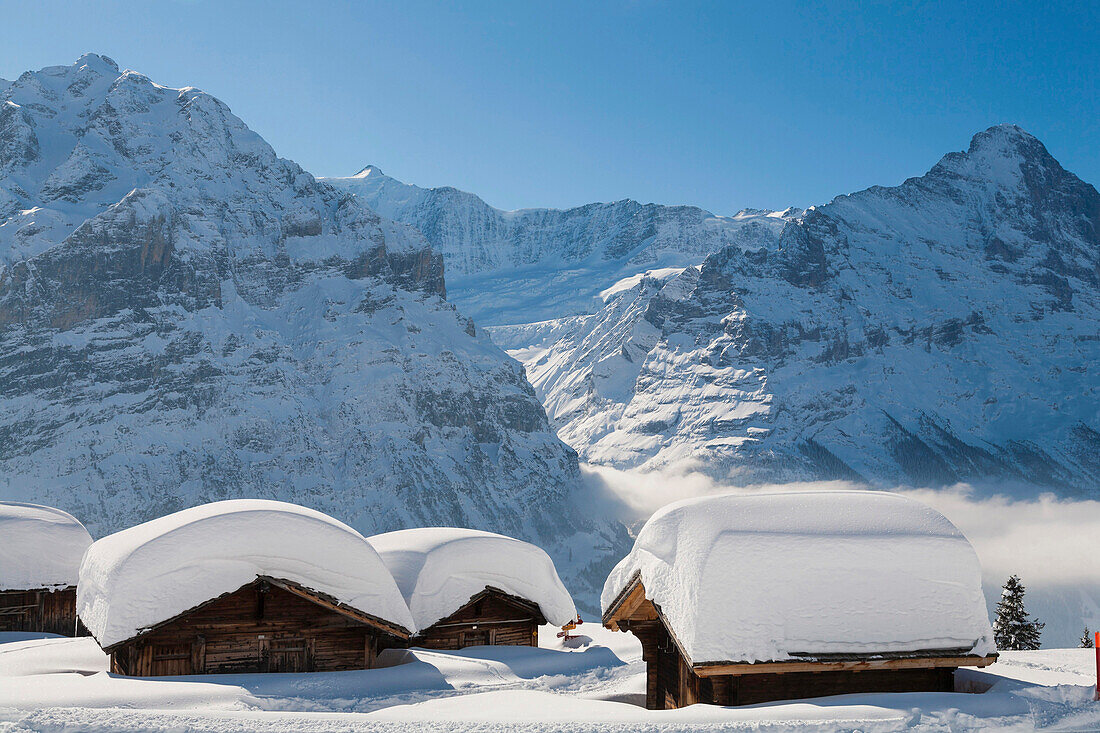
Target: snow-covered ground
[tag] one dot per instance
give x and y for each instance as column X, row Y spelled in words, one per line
column 58, row 684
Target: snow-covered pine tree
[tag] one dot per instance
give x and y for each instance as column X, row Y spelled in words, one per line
column 1086, row 639
column 1012, row 629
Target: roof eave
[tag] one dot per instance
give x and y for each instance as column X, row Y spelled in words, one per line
column 289, row 585
column 870, row 662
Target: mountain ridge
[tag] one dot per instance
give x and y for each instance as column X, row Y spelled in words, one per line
column 879, row 341
column 532, row 264
column 186, row 317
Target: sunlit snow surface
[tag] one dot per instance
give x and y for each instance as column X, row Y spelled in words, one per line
column 62, row 685
column 506, row 267
column 186, row 317
column 40, row 547
column 765, row 577
column 141, row 576
column 439, row 569
column 939, row 331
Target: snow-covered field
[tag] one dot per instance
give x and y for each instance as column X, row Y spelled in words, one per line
column 58, row 684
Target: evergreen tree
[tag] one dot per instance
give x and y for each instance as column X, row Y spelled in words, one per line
column 1086, row 639
column 1012, row 629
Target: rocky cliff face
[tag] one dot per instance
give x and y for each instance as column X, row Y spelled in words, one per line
column 186, row 317
column 939, row 331
column 508, row 267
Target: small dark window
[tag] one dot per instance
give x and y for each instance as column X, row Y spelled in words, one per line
column 171, row 651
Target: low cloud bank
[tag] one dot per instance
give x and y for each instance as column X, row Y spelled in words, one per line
column 1052, row 544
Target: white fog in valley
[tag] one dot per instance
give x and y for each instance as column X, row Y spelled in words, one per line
column 1049, row 542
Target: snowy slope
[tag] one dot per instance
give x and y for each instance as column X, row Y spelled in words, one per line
column 939, row 331
column 770, row 577
column 507, row 267
column 186, row 317
column 40, row 547
column 143, row 575
column 439, row 569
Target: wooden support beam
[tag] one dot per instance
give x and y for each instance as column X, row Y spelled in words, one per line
column 712, row 670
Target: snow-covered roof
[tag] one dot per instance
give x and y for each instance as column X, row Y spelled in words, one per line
column 768, row 577
column 40, row 547
column 439, row 569
column 141, row 576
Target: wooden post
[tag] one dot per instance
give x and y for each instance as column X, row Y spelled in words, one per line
column 198, row 655
column 1096, row 645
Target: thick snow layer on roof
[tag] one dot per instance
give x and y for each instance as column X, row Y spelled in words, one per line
column 143, row 575
column 439, row 569
column 40, row 547
column 766, row 577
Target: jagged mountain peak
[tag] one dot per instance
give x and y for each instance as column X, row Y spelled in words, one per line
column 57, row 82
column 1006, row 156
column 1004, row 199
column 1004, row 138
column 76, row 140
column 185, row 316
column 369, row 170
column 97, row 62
column 939, row 331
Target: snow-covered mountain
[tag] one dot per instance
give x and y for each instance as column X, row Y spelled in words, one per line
column 507, row 267
column 944, row 330
column 186, row 317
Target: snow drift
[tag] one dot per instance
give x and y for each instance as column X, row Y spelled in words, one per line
column 769, row 577
column 147, row 574
column 438, row 569
column 40, row 547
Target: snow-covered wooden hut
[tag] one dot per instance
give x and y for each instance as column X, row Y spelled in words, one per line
column 740, row 599
column 40, row 551
column 470, row 588
column 240, row 586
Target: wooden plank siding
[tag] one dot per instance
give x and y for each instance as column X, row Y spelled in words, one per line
column 53, row 611
column 491, row 617
column 672, row 681
column 261, row 627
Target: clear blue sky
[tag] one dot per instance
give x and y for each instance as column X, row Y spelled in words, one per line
column 719, row 104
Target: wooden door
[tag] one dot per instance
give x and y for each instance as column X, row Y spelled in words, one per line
column 475, row 637
column 170, row 659
column 289, row 655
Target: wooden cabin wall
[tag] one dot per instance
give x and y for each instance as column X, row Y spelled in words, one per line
column 498, row 622
column 749, row 689
column 671, row 683
column 53, row 612
column 254, row 630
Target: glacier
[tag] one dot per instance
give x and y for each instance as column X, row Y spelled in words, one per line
column 511, row 267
